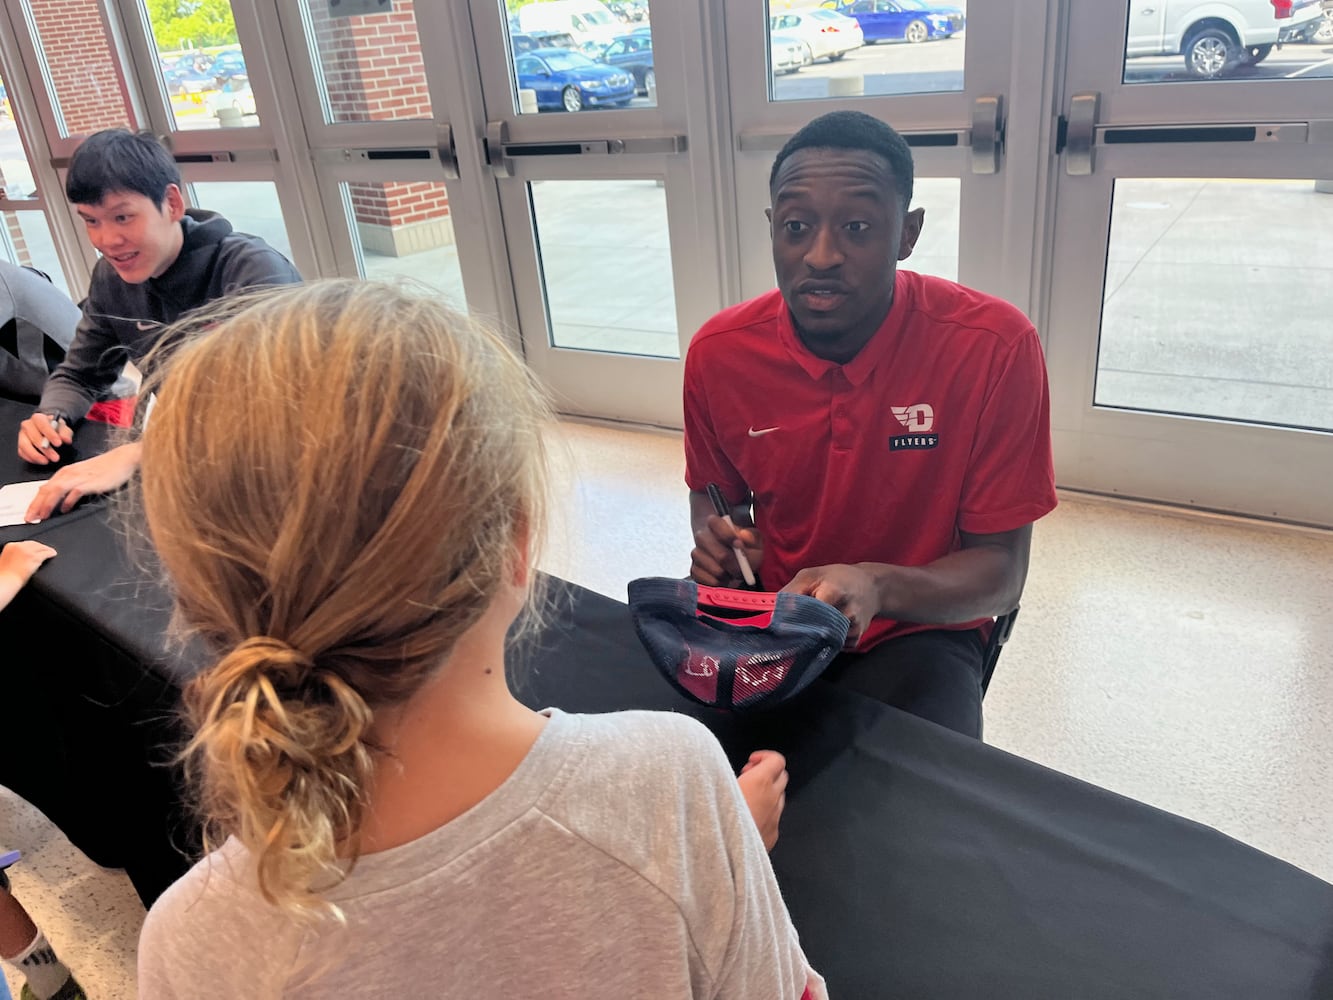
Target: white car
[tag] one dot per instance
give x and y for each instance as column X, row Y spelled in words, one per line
column 826, row 34
column 234, row 94
column 1216, row 36
column 787, row 54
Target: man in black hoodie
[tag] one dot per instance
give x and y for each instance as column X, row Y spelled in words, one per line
column 159, row 261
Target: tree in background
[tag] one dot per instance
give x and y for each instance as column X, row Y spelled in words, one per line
column 179, row 24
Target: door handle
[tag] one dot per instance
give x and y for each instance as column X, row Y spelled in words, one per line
column 448, row 152
column 497, row 133
column 987, row 134
column 1081, row 133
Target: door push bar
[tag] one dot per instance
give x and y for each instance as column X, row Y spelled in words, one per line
column 501, row 153
column 443, row 153
column 1080, row 135
column 985, row 138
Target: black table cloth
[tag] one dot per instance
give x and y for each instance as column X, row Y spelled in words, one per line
column 915, row 862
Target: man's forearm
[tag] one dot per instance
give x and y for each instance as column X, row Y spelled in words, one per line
column 66, row 396
column 90, row 368
column 963, row 586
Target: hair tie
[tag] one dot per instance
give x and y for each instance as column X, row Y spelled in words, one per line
column 283, row 663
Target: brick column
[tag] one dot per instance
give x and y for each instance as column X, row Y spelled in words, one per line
column 89, row 84
column 373, row 71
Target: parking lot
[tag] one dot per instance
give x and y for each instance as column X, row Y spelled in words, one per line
column 1287, row 63
column 887, row 68
column 937, row 66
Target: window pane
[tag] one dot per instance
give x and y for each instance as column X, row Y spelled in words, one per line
column 250, row 206
column 85, row 81
column 15, row 173
column 1173, row 42
column 201, row 65
column 605, row 258
column 851, row 48
column 25, row 239
column 405, row 231
column 369, row 65
column 937, row 249
column 1217, row 301
column 582, row 55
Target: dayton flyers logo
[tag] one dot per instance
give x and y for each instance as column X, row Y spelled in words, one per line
column 918, row 419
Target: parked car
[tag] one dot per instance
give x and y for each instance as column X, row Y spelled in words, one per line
column 570, row 81
column 182, row 79
column 900, row 20
column 786, row 53
column 589, row 21
column 634, row 54
column 225, row 65
column 526, row 42
column 826, row 33
column 235, row 93
column 628, row 10
column 1322, row 32
column 1217, row 37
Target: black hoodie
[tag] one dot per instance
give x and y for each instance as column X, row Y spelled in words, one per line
column 121, row 321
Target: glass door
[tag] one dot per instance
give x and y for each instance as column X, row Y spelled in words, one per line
column 195, row 75
column 388, row 173
column 964, row 84
column 27, row 237
column 1191, row 287
column 605, row 195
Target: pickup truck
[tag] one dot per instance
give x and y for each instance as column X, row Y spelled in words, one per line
column 1217, row 36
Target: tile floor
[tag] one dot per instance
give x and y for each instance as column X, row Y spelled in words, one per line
column 1184, row 660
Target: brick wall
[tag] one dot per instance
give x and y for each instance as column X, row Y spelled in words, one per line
column 17, row 240
column 373, row 70
column 89, row 87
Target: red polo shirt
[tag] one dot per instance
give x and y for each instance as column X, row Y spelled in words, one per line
column 941, row 424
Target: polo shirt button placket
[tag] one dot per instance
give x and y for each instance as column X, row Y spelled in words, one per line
column 841, row 424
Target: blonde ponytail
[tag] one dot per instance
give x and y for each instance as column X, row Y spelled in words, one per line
column 280, row 759
column 338, row 479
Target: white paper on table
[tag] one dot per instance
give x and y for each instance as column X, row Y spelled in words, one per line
column 14, row 501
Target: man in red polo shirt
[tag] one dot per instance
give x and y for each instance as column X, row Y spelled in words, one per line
column 887, row 432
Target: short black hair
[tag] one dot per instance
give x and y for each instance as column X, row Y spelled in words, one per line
column 854, row 130
column 116, row 159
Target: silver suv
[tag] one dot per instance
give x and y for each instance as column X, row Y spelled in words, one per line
column 1216, row 36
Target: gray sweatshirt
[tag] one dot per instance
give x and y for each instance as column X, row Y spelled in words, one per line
column 121, row 321
column 37, row 322
column 617, row 862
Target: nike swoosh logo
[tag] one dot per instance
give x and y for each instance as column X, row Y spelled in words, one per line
column 767, row 430
column 146, row 326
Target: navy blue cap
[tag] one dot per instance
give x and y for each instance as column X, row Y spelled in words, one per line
column 734, row 649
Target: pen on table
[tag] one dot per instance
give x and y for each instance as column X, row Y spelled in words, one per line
column 724, row 512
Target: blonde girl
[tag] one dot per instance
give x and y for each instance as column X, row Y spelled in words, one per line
column 344, row 483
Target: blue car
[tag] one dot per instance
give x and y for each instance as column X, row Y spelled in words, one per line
column 633, row 53
column 227, row 63
column 570, row 81
column 900, row 20
column 184, row 79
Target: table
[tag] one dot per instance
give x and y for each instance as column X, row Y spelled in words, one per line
column 916, row 863
column 88, row 688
